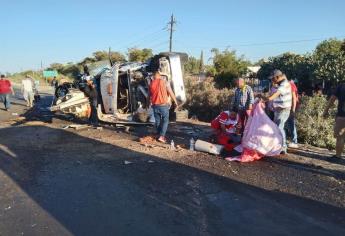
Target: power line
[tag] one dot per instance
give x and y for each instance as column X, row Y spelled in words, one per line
column 144, row 38
column 150, row 41
column 159, row 44
column 261, row 44
column 135, row 34
column 136, row 40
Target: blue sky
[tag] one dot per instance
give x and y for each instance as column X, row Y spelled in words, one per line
column 67, row 31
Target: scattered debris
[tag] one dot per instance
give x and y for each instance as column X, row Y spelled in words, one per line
column 19, row 118
column 194, row 118
column 76, row 127
column 204, row 146
column 127, row 162
column 150, row 161
column 239, row 148
column 14, row 114
column 127, row 129
column 237, row 158
column 172, row 145
column 8, row 208
column 192, row 144
column 147, row 140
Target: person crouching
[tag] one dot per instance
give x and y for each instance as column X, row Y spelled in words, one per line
column 227, row 126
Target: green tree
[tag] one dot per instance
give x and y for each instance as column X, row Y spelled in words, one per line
column 296, row 67
column 117, row 57
column 228, row 67
column 87, row 60
column 343, row 46
column 330, row 61
column 139, row 55
column 56, row 66
column 101, row 55
column 192, row 65
column 71, row 70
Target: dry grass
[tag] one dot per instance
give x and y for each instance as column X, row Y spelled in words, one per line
column 204, row 100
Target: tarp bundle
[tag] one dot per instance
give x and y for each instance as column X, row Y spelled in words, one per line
column 261, row 136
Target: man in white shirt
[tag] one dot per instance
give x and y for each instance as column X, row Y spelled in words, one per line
column 28, row 90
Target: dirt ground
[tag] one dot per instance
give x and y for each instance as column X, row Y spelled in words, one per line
column 61, row 181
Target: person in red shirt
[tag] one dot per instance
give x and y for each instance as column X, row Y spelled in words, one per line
column 5, row 91
column 228, row 126
column 160, row 91
column 291, row 122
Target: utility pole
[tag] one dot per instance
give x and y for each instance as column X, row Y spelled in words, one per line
column 171, row 29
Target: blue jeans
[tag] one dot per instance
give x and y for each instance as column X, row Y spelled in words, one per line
column 5, row 98
column 291, row 127
column 280, row 118
column 93, row 119
column 161, row 113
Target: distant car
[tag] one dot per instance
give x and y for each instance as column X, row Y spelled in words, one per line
column 122, row 89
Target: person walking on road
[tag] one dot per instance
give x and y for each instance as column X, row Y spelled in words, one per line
column 282, row 102
column 5, row 92
column 339, row 127
column 160, row 91
column 243, row 100
column 28, row 90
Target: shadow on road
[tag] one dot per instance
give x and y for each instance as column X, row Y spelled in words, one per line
column 57, row 182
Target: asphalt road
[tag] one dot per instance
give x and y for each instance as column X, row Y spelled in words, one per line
column 56, row 181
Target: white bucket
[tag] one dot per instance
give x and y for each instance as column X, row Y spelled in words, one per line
column 204, row 146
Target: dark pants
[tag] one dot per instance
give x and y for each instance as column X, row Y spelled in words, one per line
column 161, row 113
column 5, row 98
column 243, row 114
column 93, row 117
column 280, row 118
column 291, row 127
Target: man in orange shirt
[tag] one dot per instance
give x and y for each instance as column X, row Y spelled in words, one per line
column 160, row 91
column 5, row 91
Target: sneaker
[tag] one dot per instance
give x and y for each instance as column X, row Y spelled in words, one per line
column 293, row 145
column 162, row 139
column 284, row 152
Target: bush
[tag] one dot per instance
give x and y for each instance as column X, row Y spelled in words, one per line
column 204, row 100
column 312, row 128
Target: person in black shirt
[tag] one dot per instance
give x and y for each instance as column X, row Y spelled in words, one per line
column 339, row 127
column 91, row 92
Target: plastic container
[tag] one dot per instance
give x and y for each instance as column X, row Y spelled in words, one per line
column 172, row 145
column 204, row 146
column 192, row 144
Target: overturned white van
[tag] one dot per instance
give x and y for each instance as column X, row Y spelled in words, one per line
column 123, row 89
